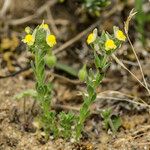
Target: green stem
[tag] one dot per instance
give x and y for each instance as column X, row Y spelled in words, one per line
column 111, row 125
column 84, row 113
column 40, row 79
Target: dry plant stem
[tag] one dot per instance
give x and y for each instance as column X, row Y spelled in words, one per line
column 65, row 79
column 66, row 107
column 32, row 107
column 83, row 33
column 24, row 110
column 122, row 65
column 132, row 137
column 138, row 63
column 99, row 96
column 123, row 99
column 111, row 125
column 123, row 94
column 52, row 22
column 31, row 111
column 40, row 11
column 5, row 7
column 62, row 22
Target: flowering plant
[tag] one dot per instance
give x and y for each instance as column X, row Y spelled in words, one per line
column 40, row 43
column 103, row 47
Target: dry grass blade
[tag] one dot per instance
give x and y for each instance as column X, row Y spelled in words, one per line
column 39, row 12
column 126, row 24
column 52, row 22
column 122, row 65
column 128, row 98
column 84, row 32
column 126, row 27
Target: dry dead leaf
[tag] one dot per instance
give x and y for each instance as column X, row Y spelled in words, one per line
column 10, row 43
column 7, row 58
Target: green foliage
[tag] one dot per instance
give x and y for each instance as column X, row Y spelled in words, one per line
column 50, row 60
column 141, row 19
column 82, row 73
column 111, row 121
column 39, row 44
column 49, row 123
column 69, row 125
column 27, row 93
column 67, row 121
column 103, row 47
column 94, row 6
column 67, row 69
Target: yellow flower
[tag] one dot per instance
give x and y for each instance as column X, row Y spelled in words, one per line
column 29, row 39
column 51, row 40
column 91, row 38
column 27, row 30
column 109, row 45
column 44, row 26
column 120, row 35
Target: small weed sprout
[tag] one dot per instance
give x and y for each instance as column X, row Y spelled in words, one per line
column 110, row 121
column 103, row 46
column 66, row 124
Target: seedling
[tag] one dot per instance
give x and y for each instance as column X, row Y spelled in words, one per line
column 111, row 121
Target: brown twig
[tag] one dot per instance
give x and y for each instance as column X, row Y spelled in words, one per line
column 122, row 65
column 83, row 33
column 126, row 28
column 52, row 22
column 64, row 78
column 141, row 69
column 24, row 110
column 5, row 7
column 39, row 12
column 58, row 21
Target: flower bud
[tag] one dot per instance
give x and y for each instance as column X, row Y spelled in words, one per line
column 82, row 73
column 50, row 60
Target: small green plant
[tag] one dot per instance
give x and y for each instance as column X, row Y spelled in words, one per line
column 103, row 46
column 66, row 123
column 94, row 6
column 40, row 43
column 111, row 121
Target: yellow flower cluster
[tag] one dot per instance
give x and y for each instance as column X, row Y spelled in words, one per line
column 109, row 43
column 30, row 38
